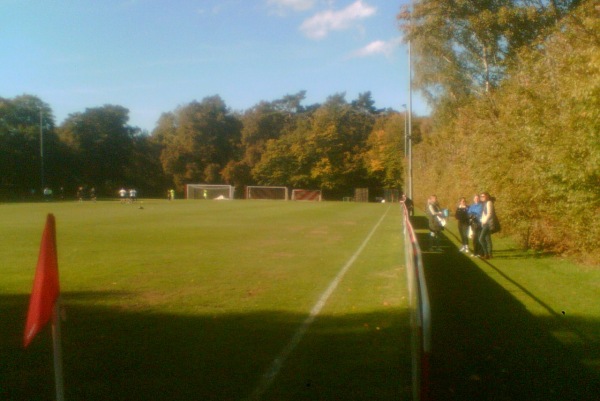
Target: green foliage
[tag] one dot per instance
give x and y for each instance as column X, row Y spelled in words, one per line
column 464, row 48
column 144, row 170
column 266, row 121
column 26, row 122
column 533, row 143
column 283, row 162
column 281, row 142
column 198, row 140
column 327, row 149
column 19, row 147
column 101, row 143
column 384, row 160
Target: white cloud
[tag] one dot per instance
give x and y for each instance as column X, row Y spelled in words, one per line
column 378, row 47
column 319, row 26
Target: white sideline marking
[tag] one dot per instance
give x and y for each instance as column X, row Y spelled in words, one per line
column 268, row 378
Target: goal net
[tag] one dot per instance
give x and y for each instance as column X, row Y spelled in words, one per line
column 306, row 194
column 260, row 192
column 361, row 194
column 208, row 191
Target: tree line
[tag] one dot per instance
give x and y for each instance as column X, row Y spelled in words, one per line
column 515, row 91
column 334, row 146
column 514, row 88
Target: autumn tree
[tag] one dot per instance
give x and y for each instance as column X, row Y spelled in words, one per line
column 285, row 162
column 384, row 158
column 325, row 150
column 463, row 48
column 533, row 143
column 198, row 140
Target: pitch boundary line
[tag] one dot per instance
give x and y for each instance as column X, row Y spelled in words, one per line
column 270, row 375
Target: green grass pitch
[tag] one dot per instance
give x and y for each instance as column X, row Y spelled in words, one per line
column 192, row 300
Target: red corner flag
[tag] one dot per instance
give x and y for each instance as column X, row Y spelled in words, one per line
column 45, row 285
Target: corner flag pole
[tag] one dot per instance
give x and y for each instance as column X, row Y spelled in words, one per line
column 44, row 304
column 57, row 351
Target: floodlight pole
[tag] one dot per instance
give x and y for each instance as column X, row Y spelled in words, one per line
column 405, row 130
column 409, row 122
column 42, row 151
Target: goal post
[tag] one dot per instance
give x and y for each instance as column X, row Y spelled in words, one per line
column 306, row 194
column 208, row 191
column 266, row 192
column 361, row 194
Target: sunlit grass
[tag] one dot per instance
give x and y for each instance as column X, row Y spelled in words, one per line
column 193, row 299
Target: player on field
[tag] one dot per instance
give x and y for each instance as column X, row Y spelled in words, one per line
column 123, row 195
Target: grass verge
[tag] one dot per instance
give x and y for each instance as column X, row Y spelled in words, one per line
column 516, row 327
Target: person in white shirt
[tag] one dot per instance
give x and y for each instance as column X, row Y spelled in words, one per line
column 123, row 195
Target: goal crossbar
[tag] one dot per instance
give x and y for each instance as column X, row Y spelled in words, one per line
column 306, row 194
column 266, row 192
column 209, row 191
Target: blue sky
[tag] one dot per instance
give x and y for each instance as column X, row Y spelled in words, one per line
column 151, row 56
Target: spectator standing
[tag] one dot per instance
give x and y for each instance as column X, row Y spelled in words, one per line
column 435, row 215
column 123, row 195
column 487, row 220
column 409, row 205
column 475, row 210
column 462, row 217
column 47, row 194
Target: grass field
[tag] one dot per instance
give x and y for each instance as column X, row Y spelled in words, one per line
column 193, row 300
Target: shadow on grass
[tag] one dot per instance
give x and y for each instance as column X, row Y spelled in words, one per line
column 487, row 346
column 116, row 354
column 515, row 253
column 419, row 222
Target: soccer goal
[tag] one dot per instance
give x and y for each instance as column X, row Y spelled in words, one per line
column 263, row 192
column 306, row 194
column 361, row 194
column 208, row 191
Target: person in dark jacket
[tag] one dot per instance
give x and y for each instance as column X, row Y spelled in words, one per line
column 462, row 217
column 409, row 205
column 475, row 211
column 436, row 222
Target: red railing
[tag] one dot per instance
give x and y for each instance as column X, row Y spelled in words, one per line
column 420, row 312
